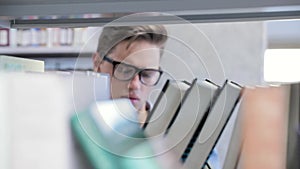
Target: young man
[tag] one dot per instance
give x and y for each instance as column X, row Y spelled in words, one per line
column 131, row 55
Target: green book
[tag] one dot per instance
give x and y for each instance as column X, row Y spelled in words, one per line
column 98, row 157
column 112, row 143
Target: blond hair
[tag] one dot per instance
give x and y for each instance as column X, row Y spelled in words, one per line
column 111, row 36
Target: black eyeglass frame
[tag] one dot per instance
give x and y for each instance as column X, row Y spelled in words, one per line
column 137, row 70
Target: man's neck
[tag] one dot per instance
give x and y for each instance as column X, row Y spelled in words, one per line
column 142, row 115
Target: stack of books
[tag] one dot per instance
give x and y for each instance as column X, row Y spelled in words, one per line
column 188, row 118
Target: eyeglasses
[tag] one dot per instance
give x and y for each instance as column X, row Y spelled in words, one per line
column 126, row 72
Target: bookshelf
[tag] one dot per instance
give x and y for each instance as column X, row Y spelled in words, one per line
column 49, row 42
column 44, row 50
column 65, row 13
column 62, row 51
column 72, row 13
column 56, row 58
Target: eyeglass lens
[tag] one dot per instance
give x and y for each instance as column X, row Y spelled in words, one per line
column 127, row 72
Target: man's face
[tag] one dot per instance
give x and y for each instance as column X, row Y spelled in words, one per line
column 140, row 54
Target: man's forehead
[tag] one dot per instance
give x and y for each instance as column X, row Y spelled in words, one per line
column 140, row 54
column 135, row 49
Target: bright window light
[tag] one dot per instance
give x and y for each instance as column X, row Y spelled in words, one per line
column 282, row 65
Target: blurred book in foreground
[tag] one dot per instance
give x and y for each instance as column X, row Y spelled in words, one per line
column 110, row 136
column 35, row 110
column 270, row 127
column 10, row 63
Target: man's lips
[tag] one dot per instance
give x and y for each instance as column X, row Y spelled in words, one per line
column 132, row 98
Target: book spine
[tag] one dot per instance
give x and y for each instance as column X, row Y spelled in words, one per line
column 4, row 37
column 85, row 131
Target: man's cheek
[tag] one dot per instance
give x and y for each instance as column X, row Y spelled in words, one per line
column 146, row 93
column 119, row 88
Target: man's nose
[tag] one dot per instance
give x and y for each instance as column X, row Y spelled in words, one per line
column 135, row 82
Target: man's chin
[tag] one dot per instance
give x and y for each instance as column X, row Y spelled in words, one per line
column 136, row 104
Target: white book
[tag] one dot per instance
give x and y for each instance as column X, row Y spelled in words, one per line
column 34, row 122
column 13, row 37
column 217, row 118
column 35, row 111
column 235, row 144
column 165, row 107
column 96, row 87
column 194, row 107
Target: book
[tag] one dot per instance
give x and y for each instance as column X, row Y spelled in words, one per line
column 34, row 115
column 111, row 137
column 293, row 139
column 4, row 36
column 165, row 107
column 10, row 63
column 270, row 127
column 215, row 122
column 88, row 88
column 235, row 143
column 264, row 130
column 117, row 122
column 85, row 132
column 195, row 105
column 97, row 131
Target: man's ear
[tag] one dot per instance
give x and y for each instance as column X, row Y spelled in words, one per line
column 96, row 62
